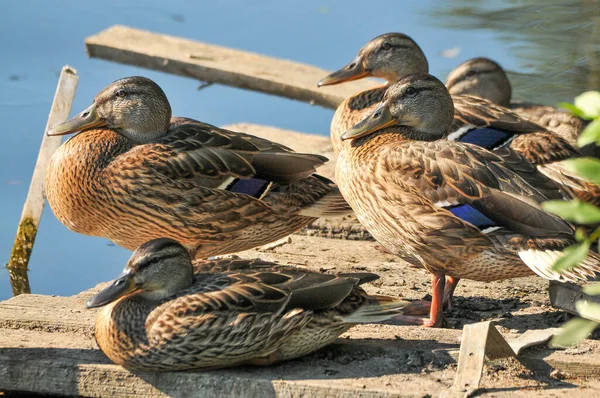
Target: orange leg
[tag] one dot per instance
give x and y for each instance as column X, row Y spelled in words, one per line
column 436, row 308
column 451, row 283
column 422, row 307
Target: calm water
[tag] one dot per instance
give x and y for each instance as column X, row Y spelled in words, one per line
column 552, row 49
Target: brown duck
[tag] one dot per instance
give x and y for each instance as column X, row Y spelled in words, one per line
column 165, row 313
column 134, row 174
column 461, row 210
column 476, row 120
column 485, row 78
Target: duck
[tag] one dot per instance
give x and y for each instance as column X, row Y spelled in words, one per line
column 462, row 210
column 485, row 78
column 166, row 313
column 133, row 173
column 477, row 120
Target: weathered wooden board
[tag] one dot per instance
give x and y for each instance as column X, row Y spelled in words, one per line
column 47, row 346
column 218, row 64
column 34, row 203
column 566, row 295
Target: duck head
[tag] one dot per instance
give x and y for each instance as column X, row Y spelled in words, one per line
column 135, row 107
column 390, row 56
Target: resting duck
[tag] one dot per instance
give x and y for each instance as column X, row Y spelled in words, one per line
column 134, row 174
column 476, row 120
column 485, row 78
column 463, row 211
column 165, row 313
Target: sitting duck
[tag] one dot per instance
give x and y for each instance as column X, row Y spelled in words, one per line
column 166, row 313
column 134, row 174
column 485, row 78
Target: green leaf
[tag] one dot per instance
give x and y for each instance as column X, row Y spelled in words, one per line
column 573, row 332
column 575, row 210
column 572, row 256
column 588, row 310
column 580, row 234
column 589, row 104
column 572, row 108
column 592, row 289
column 585, row 167
column 591, row 134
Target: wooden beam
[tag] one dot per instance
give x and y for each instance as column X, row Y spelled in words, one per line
column 34, row 203
column 216, row 64
column 565, row 295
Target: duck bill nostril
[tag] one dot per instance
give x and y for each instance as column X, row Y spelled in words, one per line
column 353, row 71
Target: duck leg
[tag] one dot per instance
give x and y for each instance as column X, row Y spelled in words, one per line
column 422, row 307
column 451, row 283
column 436, row 308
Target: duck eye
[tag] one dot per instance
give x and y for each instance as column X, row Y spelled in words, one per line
column 386, row 46
column 121, row 93
column 118, row 282
column 410, row 91
column 470, row 73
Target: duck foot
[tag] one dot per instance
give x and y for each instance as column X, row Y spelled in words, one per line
column 403, row 320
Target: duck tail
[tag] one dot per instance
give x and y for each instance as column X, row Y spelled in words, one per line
column 377, row 309
column 542, row 261
column 331, row 204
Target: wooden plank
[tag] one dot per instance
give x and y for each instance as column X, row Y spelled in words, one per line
column 564, row 296
column 34, row 203
column 478, row 341
column 47, row 346
column 216, row 64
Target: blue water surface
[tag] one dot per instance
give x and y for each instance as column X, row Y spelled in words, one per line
column 38, row 37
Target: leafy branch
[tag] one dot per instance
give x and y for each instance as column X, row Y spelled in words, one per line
column 587, row 106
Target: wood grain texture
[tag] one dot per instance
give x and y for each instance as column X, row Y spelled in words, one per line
column 216, row 64
column 47, row 346
column 35, row 200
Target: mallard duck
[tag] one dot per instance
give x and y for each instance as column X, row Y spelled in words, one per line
column 485, row 78
column 476, row 120
column 462, row 210
column 133, row 174
column 165, row 313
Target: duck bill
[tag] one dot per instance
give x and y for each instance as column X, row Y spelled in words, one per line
column 120, row 287
column 379, row 119
column 85, row 120
column 353, row 71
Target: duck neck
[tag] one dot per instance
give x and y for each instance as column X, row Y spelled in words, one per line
column 121, row 329
column 367, row 98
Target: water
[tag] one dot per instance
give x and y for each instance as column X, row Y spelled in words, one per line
column 553, row 48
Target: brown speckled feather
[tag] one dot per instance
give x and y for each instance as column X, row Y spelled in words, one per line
column 405, row 211
column 99, row 184
column 474, row 111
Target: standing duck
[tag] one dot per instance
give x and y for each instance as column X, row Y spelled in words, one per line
column 165, row 313
column 392, row 56
column 485, row 78
column 134, row 174
column 463, row 211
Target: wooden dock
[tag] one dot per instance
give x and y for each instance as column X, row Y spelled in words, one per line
column 217, row 64
column 47, row 347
